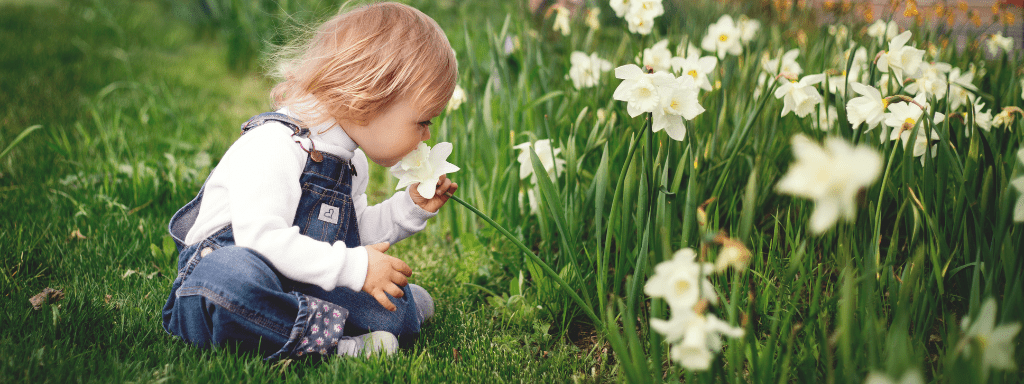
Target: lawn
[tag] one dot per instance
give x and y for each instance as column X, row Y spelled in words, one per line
column 696, row 191
column 135, row 107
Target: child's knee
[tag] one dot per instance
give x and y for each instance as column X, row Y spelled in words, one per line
column 230, row 290
column 232, row 268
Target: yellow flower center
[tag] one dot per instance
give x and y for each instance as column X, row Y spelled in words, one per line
column 682, row 286
column 693, row 72
column 909, row 121
column 885, row 104
column 674, row 105
column 723, row 37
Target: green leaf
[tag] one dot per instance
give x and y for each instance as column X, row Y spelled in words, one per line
column 550, row 197
column 21, row 136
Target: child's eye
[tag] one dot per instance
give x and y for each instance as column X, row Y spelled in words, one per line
column 426, row 124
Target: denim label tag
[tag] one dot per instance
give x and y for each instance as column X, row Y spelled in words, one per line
column 329, row 213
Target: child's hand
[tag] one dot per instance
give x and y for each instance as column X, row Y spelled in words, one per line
column 444, row 185
column 384, row 274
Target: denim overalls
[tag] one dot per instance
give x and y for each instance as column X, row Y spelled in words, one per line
column 229, row 294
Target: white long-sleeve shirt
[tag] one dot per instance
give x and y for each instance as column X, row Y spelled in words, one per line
column 256, row 189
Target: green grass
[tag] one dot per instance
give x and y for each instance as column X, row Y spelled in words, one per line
column 134, row 112
column 141, row 104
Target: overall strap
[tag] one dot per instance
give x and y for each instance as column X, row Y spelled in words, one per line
column 298, row 129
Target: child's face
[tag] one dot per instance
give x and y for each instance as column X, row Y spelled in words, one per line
column 391, row 135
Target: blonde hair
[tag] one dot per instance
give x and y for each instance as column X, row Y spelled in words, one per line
column 356, row 64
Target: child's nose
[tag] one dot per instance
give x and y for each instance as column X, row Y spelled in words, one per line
column 426, row 135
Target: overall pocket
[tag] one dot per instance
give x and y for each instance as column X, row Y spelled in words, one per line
column 323, row 213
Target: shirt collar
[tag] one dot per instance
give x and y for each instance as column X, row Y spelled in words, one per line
column 328, row 136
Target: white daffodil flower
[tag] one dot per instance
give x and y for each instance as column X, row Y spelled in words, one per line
column 837, row 84
column 702, row 339
column 932, row 80
column 674, row 328
column 748, row 28
column 998, row 42
column 639, row 23
column 921, row 142
column 883, row 31
column 840, row 32
column 424, row 165
column 982, row 119
column 458, row 97
column 883, row 84
column 903, row 116
column 761, row 80
column 637, row 89
column 1003, row 119
column 641, row 14
column 912, row 376
column 831, row 175
column 531, row 199
column 562, row 20
column 723, row 38
column 691, row 354
column 784, row 64
column 548, row 158
column 585, row 70
column 696, row 67
column 799, row 97
column 997, row 343
column 678, row 101
column 620, row 7
column 593, row 18
column 733, row 254
column 903, row 60
column 688, row 50
column 649, row 8
column 681, row 281
column 1018, row 183
column 658, row 57
column 960, row 86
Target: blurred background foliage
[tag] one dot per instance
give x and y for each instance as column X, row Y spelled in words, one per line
column 137, row 100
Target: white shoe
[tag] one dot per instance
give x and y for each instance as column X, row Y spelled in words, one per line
column 424, row 303
column 369, row 344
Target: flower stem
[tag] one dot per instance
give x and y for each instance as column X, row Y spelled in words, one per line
column 547, row 269
column 878, row 206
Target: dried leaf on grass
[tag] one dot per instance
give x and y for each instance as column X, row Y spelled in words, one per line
column 48, row 295
column 76, row 235
column 134, row 272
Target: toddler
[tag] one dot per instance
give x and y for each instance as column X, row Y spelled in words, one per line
column 279, row 252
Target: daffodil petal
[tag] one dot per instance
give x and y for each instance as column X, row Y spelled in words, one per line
column 426, row 189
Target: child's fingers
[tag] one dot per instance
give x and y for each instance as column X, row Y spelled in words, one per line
column 400, row 266
column 380, row 247
column 399, row 279
column 447, row 186
column 384, row 301
column 394, row 291
column 442, row 187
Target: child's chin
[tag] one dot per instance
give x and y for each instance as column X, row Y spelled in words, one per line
column 385, row 163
